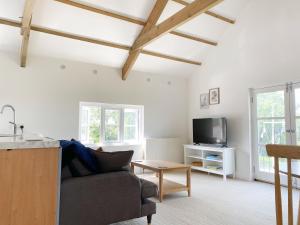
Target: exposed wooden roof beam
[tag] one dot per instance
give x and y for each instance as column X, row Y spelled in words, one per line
column 25, row 30
column 132, row 20
column 218, row 16
column 9, row 22
column 80, row 38
column 189, row 12
column 210, row 13
column 103, row 12
column 24, row 47
column 181, row 2
column 194, row 38
column 27, row 14
column 174, row 58
column 36, row 28
column 151, row 22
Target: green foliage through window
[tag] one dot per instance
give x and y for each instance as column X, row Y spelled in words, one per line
column 270, row 126
column 130, row 124
column 112, row 125
column 94, row 125
column 270, row 104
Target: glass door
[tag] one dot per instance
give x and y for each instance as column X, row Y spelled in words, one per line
column 275, row 120
column 271, row 123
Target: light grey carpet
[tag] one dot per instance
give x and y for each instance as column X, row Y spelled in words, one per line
column 215, row 202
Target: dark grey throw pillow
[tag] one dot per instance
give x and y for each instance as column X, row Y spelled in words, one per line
column 113, row 161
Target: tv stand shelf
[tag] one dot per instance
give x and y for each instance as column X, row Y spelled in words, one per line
column 215, row 160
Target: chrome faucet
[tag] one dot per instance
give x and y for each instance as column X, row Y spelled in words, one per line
column 14, row 112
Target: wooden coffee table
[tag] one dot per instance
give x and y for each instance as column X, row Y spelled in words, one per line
column 161, row 167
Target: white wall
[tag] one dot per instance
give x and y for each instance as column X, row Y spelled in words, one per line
column 169, row 149
column 261, row 49
column 47, row 98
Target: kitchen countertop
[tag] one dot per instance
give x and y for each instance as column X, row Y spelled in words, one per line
column 27, row 142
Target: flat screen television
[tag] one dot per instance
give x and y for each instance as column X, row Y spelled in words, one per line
column 210, row 131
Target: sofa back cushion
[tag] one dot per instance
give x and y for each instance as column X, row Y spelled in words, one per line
column 113, row 161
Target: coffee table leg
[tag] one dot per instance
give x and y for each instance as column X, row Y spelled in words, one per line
column 161, row 180
column 188, row 181
column 132, row 168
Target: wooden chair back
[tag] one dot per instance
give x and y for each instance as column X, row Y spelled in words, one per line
column 287, row 152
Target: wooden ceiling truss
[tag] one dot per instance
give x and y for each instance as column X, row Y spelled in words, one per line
column 25, row 30
column 150, row 32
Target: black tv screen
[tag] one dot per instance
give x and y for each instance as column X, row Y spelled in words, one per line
column 210, row 131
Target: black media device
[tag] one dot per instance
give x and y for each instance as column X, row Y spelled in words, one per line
column 210, row 131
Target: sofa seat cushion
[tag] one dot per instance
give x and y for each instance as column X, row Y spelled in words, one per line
column 149, row 189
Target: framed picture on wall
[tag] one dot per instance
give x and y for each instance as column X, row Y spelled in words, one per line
column 214, row 96
column 204, row 101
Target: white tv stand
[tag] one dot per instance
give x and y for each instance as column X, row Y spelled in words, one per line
column 222, row 164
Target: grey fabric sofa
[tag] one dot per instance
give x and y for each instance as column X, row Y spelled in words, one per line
column 106, row 198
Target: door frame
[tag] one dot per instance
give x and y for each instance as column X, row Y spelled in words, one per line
column 293, row 112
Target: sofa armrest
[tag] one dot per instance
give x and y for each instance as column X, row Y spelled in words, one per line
column 100, row 199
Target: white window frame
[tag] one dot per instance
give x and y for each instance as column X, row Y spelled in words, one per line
column 121, row 107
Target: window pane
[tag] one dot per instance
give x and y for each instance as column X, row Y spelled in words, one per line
column 130, row 116
column 90, row 124
column 112, row 125
column 266, row 163
column 270, row 104
column 297, row 97
column 131, row 124
column 112, row 117
column 297, row 106
column 94, row 125
column 271, row 131
column 111, row 133
column 84, row 115
column 130, row 134
column 84, row 134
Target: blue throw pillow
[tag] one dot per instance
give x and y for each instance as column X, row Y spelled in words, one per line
column 85, row 155
column 74, row 149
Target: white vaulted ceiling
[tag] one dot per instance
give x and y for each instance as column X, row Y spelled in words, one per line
column 59, row 16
